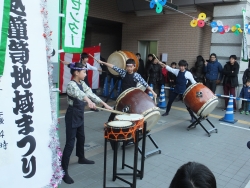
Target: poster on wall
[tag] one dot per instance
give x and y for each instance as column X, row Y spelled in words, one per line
column 74, row 25
column 25, row 110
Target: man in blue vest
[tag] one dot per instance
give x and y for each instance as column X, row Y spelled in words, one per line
column 182, row 77
column 213, row 71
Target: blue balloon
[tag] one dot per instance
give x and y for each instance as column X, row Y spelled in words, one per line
column 152, row 4
column 163, row 2
column 213, row 24
column 220, row 28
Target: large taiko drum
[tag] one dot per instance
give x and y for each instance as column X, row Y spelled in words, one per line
column 119, row 59
column 200, row 99
column 134, row 100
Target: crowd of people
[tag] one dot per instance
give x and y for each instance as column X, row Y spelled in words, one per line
column 209, row 72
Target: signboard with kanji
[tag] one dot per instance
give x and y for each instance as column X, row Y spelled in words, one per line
column 74, row 25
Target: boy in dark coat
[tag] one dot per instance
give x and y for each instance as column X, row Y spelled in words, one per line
column 245, row 93
column 230, row 82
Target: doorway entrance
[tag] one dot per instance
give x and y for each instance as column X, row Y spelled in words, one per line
column 147, row 47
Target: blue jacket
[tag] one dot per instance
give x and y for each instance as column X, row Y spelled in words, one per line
column 245, row 92
column 212, row 71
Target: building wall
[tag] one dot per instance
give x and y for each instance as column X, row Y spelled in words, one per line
column 107, row 10
column 173, row 32
column 229, row 44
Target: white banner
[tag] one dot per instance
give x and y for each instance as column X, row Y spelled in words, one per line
column 74, row 25
column 25, row 119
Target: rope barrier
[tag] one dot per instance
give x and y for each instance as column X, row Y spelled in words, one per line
column 219, row 95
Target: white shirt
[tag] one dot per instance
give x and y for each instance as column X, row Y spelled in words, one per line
column 187, row 75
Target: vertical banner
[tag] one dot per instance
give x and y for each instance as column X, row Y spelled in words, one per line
column 26, row 159
column 74, row 25
column 4, row 25
column 244, row 40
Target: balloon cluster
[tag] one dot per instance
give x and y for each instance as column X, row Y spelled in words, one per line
column 199, row 22
column 247, row 27
column 217, row 26
column 159, row 5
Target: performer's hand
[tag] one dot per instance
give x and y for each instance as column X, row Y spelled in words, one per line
column 217, row 82
column 205, row 63
column 108, row 107
column 64, row 62
column 91, row 104
column 100, row 70
column 155, row 95
column 100, row 62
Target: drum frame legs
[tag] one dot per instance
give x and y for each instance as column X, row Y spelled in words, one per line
column 198, row 120
column 145, row 155
column 136, row 173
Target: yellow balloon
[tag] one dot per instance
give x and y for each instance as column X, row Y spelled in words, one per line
column 240, row 30
column 233, row 28
column 193, row 23
column 202, row 16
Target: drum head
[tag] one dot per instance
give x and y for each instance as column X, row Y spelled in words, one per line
column 209, row 108
column 119, row 124
column 117, row 59
column 152, row 118
column 130, row 117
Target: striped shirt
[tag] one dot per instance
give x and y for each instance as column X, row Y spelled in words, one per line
column 137, row 77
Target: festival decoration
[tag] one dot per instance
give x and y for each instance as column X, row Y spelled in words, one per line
column 236, row 29
column 198, row 22
column 54, row 144
column 247, row 27
column 159, row 5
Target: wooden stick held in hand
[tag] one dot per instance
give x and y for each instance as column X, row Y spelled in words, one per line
column 114, row 111
column 94, row 58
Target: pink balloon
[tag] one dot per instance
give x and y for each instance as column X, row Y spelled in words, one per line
column 226, row 28
column 201, row 23
column 222, row 32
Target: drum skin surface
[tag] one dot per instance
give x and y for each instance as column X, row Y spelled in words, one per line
column 198, row 96
column 137, row 101
column 119, row 59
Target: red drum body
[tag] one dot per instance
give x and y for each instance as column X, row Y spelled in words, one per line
column 136, row 101
column 200, row 99
column 119, row 59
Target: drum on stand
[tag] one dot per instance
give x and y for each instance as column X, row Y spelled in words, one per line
column 119, row 130
column 200, row 99
column 119, row 59
column 135, row 101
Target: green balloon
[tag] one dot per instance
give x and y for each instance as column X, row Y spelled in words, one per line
column 237, row 32
column 158, row 8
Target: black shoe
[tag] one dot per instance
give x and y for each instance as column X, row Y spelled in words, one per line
column 165, row 114
column 95, row 110
column 67, row 179
column 85, row 161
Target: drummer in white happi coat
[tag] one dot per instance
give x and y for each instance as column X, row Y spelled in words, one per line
column 182, row 77
column 129, row 79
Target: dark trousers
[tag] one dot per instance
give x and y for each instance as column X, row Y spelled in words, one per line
column 228, row 90
column 246, row 105
column 172, row 97
column 211, row 84
column 71, row 134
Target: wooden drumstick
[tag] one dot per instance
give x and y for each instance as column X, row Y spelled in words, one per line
column 155, row 100
column 114, row 111
column 94, row 58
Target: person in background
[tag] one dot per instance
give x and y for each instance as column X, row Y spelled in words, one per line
column 141, row 69
column 148, row 63
column 197, row 70
column 230, row 82
column 245, row 77
column 172, row 76
column 155, row 75
column 77, row 92
column 193, row 175
column 213, row 72
column 245, row 93
column 164, row 75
